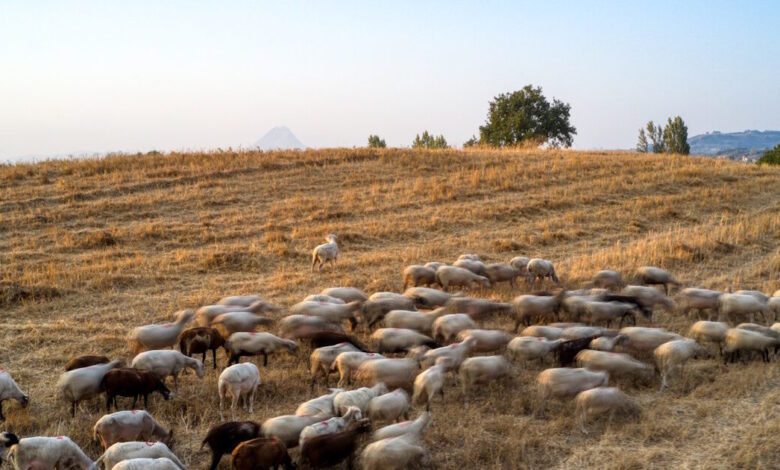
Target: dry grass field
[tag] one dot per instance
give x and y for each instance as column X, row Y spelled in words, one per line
column 90, row 249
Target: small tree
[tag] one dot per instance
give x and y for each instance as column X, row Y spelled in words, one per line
column 675, row 136
column 641, row 145
column 472, row 142
column 656, row 134
column 771, row 157
column 527, row 116
column 429, row 141
column 374, row 141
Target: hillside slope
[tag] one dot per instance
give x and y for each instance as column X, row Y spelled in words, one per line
column 90, row 249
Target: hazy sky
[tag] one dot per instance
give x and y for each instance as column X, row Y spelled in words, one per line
column 101, row 76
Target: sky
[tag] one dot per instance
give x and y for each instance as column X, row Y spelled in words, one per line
column 84, row 76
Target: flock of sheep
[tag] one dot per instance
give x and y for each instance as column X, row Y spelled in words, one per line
column 428, row 337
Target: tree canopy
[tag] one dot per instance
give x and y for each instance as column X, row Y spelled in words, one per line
column 429, row 141
column 374, row 141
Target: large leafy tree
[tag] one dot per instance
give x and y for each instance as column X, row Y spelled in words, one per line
column 676, row 136
column 527, row 116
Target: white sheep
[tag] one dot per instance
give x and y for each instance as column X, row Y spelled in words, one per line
column 469, row 256
column 84, row 383
column 327, row 252
column 764, row 330
column 434, row 265
column 675, row 353
column 239, row 380
column 397, row 453
column 145, row 463
column 206, row 314
column 607, row 279
column 253, row 344
column 734, row 305
column 477, row 309
column 448, row 276
column 617, row 364
column 239, row 300
column 358, row 398
column 375, row 309
column 334, row 313
column 44, row 453
column 487, row 340
column 644, row 339
column 347, row 363
column 565, row 382
column 446, row 327
column 399, row 339
column 413, row 319
column 579, row 332
column 347, row 294
column 475, row 266
column 320, row 406
column 323, row 298
column 456, row 353
column 545, row 331
column 530, row 306
column 529, row 348
column 738, row 340
column 755, row 293
column 395, row 373
column 416, row 428
column 291, row 325
column 427, row 297
column 158, row 336
column 430, row 382
column 709, row 331
column 287, row 428
column 9, row 390
column 164, row 363
column 609, row 312
column 601, row 400
column 521, row 263
column 330, row 426
column 389, row 407
column 649, row 297
column 234, row 322
column 136, row 449
column 538, row 268
column 500, row 272
column 128, row 426
column 651, row 275
column 607, row 343
column 481, row 370
column 417, row 275
column 694, row 298
column 321, row 360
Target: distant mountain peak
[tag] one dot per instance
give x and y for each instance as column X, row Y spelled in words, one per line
column 279, row 138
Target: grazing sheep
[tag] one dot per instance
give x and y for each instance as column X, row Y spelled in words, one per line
column 573, row 305
column 45, row 453
column 764, row 330
column 321, row 360
column 301, row 326
column 417, row 275
column 617, row 364
column 85, row 361
column 224, row 438
column 675, row 353
column 206, row 314
column 538, row 268
column 239, row 300
column 261, row 453
column 413, row 320
column 331, row 449
column 609, row 312
column 529, row 348
column 319, row 339
column 430, row 382
column 520, row 263
column 254, row 344
column 327, row 252
column 84, row 383
column 643, row 339
column 487, row 340
column 146, row 464
column 478, row 309
column 288, row 428
column 128, row 426
column 755, row 293
column 456, row 353
column 144, row 338
column 334, row 313
column 397, row 453
column 548, row 331
column 321, row 406
column 447, row 276
column 415, row 428
column 475, row 266
column 693, row 298
column 606, row 343
column 709, row 331
column 239, row 380
column 543, row 307
column 565, row 382
column 581, row 331
column 347, row 363
column 357, row 399
column 481, row 370
column 200, row 340
column 166, row 363
column 9, row 390
column 335, row 424
column 130, row 382
column 323, row 298
column 735, row 305
column 568, row 350
column 607, row 279
column 738, row 340
column 427, row 297
column 389, row 407
column 469, row 256
column 395, row 373
column 234, row 322
column 375, row 309
column 649, row 297
column 651, row 275
column 446, row 328
column 601, row 400
column 347, row 294
column 399, row 339
column 386, row 295
column 136, row 449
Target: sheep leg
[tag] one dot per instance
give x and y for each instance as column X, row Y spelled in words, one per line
column 252, row 401
column 234, row 404
column 581, row 418
column 176, row 382
column 2, row 417
column 265, row 359
column 73, row 409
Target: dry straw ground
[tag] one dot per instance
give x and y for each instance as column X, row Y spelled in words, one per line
column 89, row 249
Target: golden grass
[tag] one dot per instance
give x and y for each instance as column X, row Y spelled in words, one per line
column 91, row 248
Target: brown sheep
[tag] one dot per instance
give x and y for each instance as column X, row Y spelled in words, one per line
column 85, row 361
column 331, row 449
column 261, row 453
column 224, row 438
column 200, row 340
column 130, row 382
